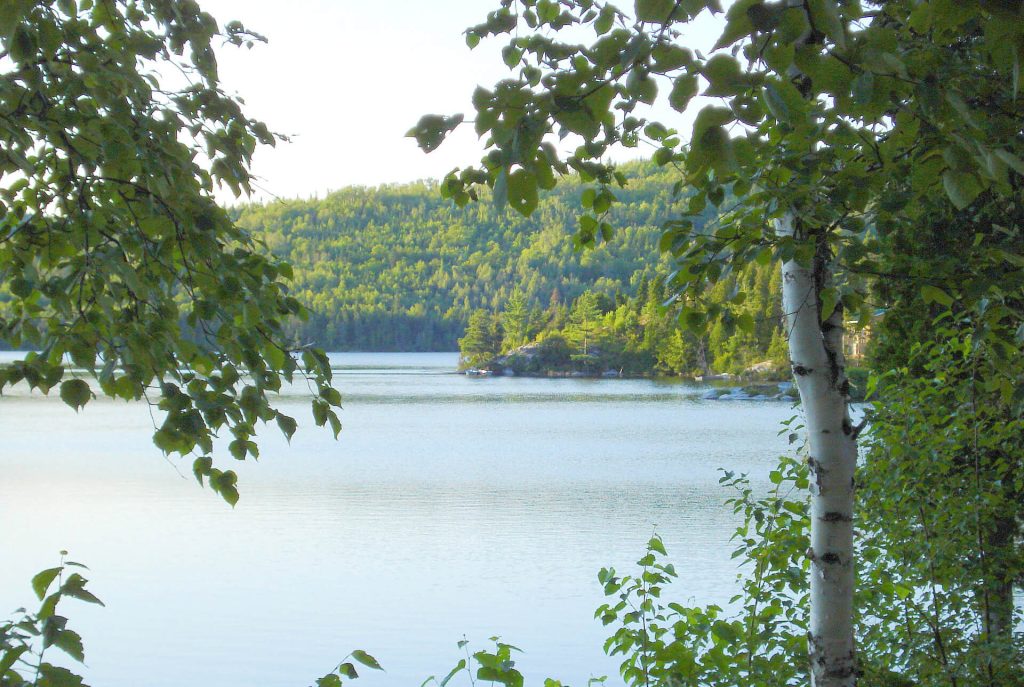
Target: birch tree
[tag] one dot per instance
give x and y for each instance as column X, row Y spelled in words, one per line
column 835, row 124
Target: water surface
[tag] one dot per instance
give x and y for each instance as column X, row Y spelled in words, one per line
column 450, row 506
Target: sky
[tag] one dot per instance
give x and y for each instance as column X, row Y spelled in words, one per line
column 346, row 79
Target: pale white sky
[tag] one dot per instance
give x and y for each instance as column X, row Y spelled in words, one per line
column 347, row 78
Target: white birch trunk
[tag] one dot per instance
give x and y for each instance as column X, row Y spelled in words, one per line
column 816, row 354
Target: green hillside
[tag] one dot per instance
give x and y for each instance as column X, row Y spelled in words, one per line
column 399, row 268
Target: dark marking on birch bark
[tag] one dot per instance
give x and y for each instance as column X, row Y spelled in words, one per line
column 816, row 470
column 844, row 388
column 801, row 371
column 847, row 427
column 830, row 558
column 834, row 368
column 842, row 672
column 833, row 516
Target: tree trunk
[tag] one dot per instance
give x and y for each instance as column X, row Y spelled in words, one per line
column 816, row 354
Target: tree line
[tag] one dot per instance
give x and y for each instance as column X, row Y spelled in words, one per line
column 398, row 268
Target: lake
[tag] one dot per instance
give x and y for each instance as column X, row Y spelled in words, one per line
column 450, row 506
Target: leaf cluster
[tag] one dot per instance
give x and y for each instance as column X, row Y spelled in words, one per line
column 26, row 638
column 117, row 262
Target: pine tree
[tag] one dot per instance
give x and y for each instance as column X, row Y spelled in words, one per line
column 515, row 321
column 480, row 342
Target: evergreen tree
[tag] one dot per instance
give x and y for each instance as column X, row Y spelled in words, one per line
column 481, row 341
column 583, row 321
column 516, row 320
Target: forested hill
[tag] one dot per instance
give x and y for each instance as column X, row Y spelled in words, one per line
column 399, row 268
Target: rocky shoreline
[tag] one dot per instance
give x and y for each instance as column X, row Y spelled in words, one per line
column 779, row 391
column 767, row 390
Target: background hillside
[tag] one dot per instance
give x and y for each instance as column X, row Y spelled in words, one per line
column 399, row 268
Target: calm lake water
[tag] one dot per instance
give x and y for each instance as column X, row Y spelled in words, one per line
column 449, row 507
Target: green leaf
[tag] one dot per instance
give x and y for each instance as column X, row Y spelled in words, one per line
column 776, row 104
column 348, row 670
column 431, row 130
column 643, row 88
column 605, row 21
column 961, row 187
column 287, row 425
column 654, row 10
column 829, row 299
column 49, row 606
column 332, row 419
column 74, row 587
column 826, row 16
column 724, row 76
column 724, row 631
column 75, row 392
column 224, row 483
column 461, row 665
column 863, row 88
column 8, row 657
column 655, row 544
column 511, row 56
column 41, row 582
column 765, row 17
column 366, row 659
column 522, row 191
column 500, row 193
column 320, row 409
column 933, row 294
column 1015, row 163
column 578, row 120
column 157, row 226
column 708, row 117
column 70, row 642
column 238, row 449
column 684, row 88
column 22, row 44
column 201, row 467
column 54, row 676
column 669, row 57
column 738, row 23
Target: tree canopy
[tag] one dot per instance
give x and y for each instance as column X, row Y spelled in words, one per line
column 117, row 261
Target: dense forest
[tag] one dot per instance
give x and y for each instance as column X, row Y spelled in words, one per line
column 633, row 335
column 398, row 268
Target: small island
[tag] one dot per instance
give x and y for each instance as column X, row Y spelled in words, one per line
column 600, row 336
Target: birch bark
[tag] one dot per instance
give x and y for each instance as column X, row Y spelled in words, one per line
column 816, row 354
